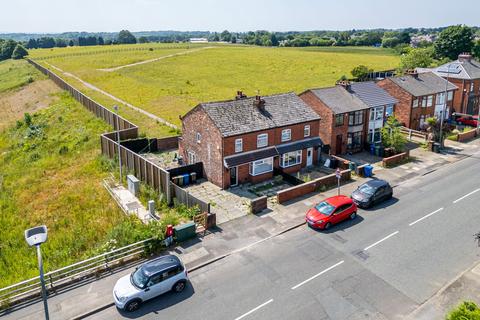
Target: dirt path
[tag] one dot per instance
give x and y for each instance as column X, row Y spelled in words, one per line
column 91, row 86
column 29, row 98
column 153, row 60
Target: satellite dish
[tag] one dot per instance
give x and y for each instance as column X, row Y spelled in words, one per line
column 36, row 236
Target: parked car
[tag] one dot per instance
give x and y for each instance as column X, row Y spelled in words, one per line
column 471, row 121
column 150, row 280
column 371, row 193
column 331, row 211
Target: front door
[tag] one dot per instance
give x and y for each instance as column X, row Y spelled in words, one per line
column 233, row 176
column 309, row 156
column 338, row 145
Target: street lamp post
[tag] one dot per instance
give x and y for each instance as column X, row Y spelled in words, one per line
column 35, row 237
column 444, row 107
column 115, row 107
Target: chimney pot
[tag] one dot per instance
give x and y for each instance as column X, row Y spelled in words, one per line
column 465, row 56
column 412, row 72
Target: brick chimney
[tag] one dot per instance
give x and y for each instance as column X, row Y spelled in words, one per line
column 344, row 83
column 412, row 72
column 240, row 95
column 465, row 57
column 259, row 102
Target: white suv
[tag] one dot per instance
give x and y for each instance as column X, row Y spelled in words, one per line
column 150, row 280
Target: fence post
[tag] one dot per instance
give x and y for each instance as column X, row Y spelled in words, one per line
column 51, row 281
column 167, row 187
column 410, row 134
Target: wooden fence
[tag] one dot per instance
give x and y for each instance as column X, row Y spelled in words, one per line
column 145, row 170
column 183, row 196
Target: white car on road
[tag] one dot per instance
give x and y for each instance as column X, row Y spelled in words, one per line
column 150, row 280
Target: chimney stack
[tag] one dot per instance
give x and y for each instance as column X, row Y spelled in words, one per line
column 465, row 57
column 412, row 72
column 259, row 102
column 344, row 83
column 240, row 95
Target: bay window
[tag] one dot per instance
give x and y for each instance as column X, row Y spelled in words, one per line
column 261, row 166
column 291, row 158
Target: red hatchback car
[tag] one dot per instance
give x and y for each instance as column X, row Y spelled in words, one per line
column 331, row 211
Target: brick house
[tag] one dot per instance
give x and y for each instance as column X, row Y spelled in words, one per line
column 246, row 139
column 465, row 74
column 352, row 114
column 420, row 96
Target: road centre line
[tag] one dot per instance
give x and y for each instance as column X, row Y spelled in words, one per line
column 373, row 245
column 424, row 217
column 318, row 274
column 254, row 309
column 459, row 199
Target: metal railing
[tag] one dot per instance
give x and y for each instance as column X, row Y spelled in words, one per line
column 30, row 288
column 414, row 133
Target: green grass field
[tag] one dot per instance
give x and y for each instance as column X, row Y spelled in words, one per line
column 17, row 73
column 172, row 86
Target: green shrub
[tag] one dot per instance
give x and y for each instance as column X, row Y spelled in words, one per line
column 466, row 311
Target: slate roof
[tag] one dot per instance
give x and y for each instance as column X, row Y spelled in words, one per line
column 339, row 100
column 459, row 69
column 371, row 94
column 425, row 84
column 236, row 117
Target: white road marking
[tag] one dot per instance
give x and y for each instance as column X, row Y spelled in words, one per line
column 459, row 199
column 253, row 310
column 426, row 216
column 373, row 245
column 318, row 274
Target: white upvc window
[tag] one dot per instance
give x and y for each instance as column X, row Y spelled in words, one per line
column 415, row 103
column 262, row 140
column 261, row 166
column 238, row 145
column 450, row 95
column 291, row 158
column 286, row 135
column 198, row 137
column 306, row 131
column 430, row 101
column 376, row 113
column 471, row 86
column 440, row 98
column 192, row 158
column 424, row 102
column 389, row 110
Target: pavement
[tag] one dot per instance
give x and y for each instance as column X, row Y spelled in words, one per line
column 250, row 260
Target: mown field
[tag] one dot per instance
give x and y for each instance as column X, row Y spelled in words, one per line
column 172, row 86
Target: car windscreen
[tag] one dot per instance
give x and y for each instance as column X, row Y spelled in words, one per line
column 139, row 279
column 325, row 208
column 365, row 188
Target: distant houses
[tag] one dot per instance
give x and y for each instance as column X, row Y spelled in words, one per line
column 198, row 40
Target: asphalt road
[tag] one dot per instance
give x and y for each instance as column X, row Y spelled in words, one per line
column 380, row 266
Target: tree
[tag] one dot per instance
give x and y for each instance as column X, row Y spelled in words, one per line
column 100, row 42
column 46, row 42
column 466, row 311
column 476, row 49
column 361, row 72
column 19, row 52
column 226, row 36
column 454, row 40
column 6, row 49
column 274, row 40
column 392, row 137
column 32, row 44
column 142, row 40
column 61, row 43
column 417, row 58
column 71, row 43
column 126, row 37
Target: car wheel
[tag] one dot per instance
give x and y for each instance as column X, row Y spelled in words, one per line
column 353, row 216
column 327, row 226
column 179, row 286
column 132, row 305
column 390, row 195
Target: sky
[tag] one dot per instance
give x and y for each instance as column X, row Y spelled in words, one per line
column 43, row 16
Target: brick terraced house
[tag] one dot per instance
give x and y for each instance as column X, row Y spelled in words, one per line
column 352, row 114
column 465, row 74
column 420, row 96
column 245, row 139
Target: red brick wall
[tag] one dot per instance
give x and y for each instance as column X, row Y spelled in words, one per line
column 209, row 150
column 467, row 135
column 393, row 160
column 327, row 131
column 403, row 108
column 309, row 187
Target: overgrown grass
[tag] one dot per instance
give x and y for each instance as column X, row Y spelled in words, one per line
column 172, row 86
column 51, row 174
column 17, row 73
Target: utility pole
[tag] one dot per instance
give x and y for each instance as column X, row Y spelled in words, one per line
column 115, row 107
column 444, row 107
column 338, row 174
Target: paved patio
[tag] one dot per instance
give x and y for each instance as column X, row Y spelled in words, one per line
column 165, row 159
